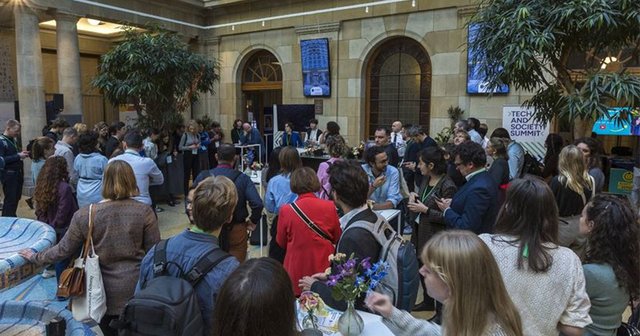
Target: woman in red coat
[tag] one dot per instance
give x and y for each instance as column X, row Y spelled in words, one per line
column 308, row 245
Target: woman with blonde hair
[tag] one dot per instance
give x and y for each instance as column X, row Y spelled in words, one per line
column 573, row 187
column 459, row 271
column 189, row 145
column 123, row 231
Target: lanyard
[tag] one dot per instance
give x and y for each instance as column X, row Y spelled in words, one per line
column 425, row 197
column 288, row 139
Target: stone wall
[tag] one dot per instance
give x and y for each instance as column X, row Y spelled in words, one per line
column 8, row 81
column 441, row 32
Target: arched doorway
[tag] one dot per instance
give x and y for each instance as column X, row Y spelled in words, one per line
column 261, row 88
column 398, row 85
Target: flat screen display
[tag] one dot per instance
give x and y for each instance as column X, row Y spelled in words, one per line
column 625, row 127
column 476, row 83
column 315, row 67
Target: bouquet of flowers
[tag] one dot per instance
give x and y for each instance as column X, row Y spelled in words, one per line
column 357, row 151
column 353, row 277
column 310, row 302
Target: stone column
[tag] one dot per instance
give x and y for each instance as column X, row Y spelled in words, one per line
column 30, row 78
column 69, row 80
column 209, row 103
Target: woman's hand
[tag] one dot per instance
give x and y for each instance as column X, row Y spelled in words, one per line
column 306, row 282
column 27, row 253
column 379, row 303
column 417, row 206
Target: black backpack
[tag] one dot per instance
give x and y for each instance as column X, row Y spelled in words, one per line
column 168, row 305
column 531, row 165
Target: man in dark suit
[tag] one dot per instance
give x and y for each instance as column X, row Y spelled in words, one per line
column 117, row 131
column 475, row 206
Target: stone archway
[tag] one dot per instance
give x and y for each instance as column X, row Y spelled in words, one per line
column 398, row 85
column 261, row 87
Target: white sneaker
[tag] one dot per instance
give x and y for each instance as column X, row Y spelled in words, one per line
column 48, row 273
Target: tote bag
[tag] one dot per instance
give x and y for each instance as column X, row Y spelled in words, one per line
column 93, row 303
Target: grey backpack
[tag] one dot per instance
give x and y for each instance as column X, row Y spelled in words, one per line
column 401, row 284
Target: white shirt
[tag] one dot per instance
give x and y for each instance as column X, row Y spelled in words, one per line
column 146, row 171
column 398, row 141
column 313, row 135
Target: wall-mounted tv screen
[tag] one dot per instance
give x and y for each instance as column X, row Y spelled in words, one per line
column 610, row 126
column 476, row 83
column 315, row 67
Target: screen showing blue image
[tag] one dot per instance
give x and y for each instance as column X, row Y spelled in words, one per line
column 315, row 67
column 610, row 126
column 476, row 83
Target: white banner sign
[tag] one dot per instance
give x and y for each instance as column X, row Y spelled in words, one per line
column 522, row 127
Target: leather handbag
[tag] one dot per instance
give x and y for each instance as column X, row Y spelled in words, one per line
column 72, row 280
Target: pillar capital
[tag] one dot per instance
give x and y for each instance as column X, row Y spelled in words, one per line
column 59, row 16
column 33, row 10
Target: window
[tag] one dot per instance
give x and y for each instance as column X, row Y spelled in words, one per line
column 398, row 85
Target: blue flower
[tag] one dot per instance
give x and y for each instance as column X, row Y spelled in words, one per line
column 359, row 280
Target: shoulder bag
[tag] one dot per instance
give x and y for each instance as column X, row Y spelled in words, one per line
column 91, row 301
column 309, row 223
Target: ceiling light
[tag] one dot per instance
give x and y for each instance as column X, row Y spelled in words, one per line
column 413, row 3
column 366, row 9
column 233, row 27
column 94, row 22
column 263, row 23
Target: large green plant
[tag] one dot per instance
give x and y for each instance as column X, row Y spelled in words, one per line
column 529, row 44
column 156, row 71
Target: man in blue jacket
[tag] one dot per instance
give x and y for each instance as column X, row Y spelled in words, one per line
column 475, row 206
column 233, row 236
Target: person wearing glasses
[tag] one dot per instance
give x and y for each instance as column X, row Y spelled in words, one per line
column 475, row 206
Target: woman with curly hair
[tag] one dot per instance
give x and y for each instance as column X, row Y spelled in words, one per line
column 612, row 262
column 54, row 202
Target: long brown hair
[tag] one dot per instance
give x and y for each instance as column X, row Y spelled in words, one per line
column 53, row 172
column 477, row 292
column 530, row 214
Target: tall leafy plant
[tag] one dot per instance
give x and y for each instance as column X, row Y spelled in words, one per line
column 530, row 44
column 155, row 71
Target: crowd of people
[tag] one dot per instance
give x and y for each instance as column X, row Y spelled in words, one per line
column 501, row 251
